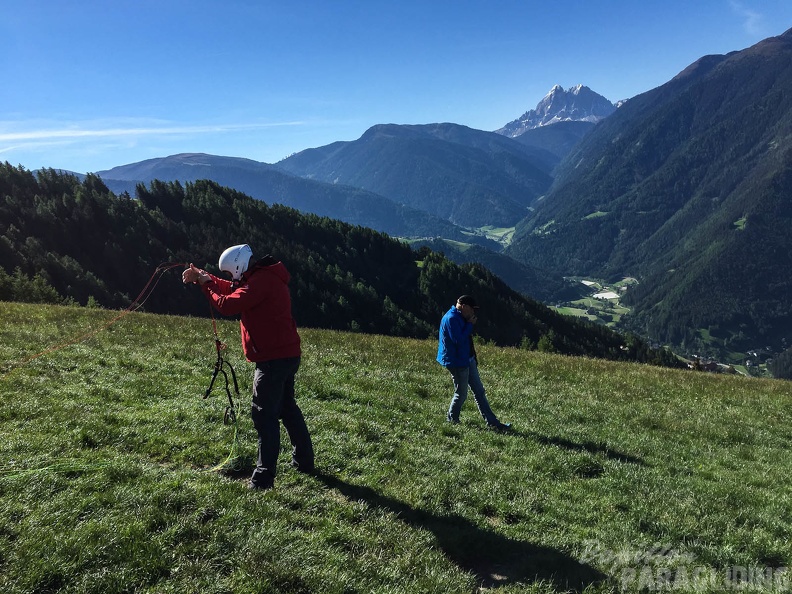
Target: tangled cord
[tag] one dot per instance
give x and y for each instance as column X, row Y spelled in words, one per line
column 139, row 301
column 230, row 416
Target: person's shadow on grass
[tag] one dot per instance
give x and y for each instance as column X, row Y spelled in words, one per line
column 496, row 560
column 586, row 446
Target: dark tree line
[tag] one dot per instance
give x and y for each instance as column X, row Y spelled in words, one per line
column 781, row 366
column 63, row 240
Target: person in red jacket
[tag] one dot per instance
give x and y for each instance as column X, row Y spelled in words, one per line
column 259, row 293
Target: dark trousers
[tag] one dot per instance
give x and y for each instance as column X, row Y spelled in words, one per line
column 273, row 401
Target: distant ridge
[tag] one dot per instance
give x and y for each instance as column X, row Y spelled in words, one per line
column 469, row 177
column 274, row 185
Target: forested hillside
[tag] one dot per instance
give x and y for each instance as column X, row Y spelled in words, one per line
column 545, row 286
column 689, row 189
column 469, row 177
column 66, row 239
column 559, row 138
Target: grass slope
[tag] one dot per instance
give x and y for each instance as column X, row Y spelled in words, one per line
column 618, row 476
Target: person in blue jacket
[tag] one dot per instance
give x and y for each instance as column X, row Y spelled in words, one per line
column 456, row 353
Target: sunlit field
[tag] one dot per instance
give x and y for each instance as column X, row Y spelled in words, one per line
column 118, row 476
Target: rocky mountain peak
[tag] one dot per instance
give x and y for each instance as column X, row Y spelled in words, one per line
column 578, row 103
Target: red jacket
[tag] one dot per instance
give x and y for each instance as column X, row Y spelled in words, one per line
column 263, row 300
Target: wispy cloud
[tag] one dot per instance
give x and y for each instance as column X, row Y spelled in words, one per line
column 74, row 133
column 102, row 143
column 753, row 22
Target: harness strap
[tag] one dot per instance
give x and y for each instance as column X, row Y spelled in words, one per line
column 229, row 417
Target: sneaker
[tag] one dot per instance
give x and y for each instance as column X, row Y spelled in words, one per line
column 452, row 420
column 499, row 427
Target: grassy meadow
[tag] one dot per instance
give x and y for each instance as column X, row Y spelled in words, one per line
column 617, row 478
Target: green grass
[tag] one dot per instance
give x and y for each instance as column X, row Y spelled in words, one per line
column 615, row 472
column 502, row 235
column 459, row 245
column 545, row 229
column 577, row 312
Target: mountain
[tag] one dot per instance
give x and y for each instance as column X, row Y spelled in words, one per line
column 688, row 188
column 273, row 185
column 62, row 238
column 576, row 104
column 548, row 287
column 559, row 139
column 469, row 177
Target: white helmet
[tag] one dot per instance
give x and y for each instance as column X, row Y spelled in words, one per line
column 235, row 260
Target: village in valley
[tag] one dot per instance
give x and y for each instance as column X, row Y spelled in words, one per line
column 601, row 302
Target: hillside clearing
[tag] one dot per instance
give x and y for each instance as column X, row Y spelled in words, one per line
column 618, row 476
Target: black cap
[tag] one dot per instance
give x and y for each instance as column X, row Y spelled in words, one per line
column 467, row 300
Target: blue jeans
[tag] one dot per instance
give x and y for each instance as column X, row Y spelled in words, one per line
column 273, row 401
column 464, row 377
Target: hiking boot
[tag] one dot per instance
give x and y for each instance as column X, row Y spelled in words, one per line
column 304, row 468
column 260, row 486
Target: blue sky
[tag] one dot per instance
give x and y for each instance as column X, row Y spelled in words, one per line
column 91, row 84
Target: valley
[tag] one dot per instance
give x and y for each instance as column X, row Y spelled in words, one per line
column 503, row 235
column 599, row 301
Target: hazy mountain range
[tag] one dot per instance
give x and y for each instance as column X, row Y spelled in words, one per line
column 469, row 177
column 426, row 182
column 686, row 188
column 274, row 185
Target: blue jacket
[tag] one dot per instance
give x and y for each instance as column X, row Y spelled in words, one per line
column 453, row 349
